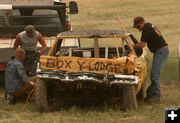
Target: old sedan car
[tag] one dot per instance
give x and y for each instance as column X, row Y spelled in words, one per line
column 102, row 65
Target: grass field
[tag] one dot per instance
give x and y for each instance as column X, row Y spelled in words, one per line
column 102, row 14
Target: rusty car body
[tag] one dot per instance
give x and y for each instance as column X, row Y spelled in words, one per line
column 100, row 72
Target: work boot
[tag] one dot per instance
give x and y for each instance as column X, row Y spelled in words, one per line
column 151, row 100
column 11, row 100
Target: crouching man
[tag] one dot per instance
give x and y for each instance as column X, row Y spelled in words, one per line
column 17, row 83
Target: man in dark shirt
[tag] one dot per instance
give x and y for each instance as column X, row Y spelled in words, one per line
column 152, row 36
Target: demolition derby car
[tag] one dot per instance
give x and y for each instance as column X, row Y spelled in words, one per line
column 98, row 65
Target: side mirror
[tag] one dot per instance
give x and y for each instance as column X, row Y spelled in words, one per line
column 73, row 7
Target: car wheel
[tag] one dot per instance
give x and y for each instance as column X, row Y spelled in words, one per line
column 129, row 97
column 41, row 96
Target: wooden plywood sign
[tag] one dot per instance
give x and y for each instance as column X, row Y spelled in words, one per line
column 98, row 65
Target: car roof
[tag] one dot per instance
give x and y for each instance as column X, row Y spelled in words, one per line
column 93, row 34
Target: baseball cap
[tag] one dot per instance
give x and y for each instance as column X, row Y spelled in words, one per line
column 137, row 21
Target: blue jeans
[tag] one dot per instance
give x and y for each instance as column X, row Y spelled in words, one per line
column 159, row 59
column 31, row 62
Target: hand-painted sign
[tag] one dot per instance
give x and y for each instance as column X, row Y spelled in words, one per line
column 98, row 65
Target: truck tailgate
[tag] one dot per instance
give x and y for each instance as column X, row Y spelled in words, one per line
column 5, row 54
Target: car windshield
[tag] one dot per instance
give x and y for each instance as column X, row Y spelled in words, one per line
column 108, row 47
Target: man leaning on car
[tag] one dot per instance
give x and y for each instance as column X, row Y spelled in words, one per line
column 28, row 40
column 152, row 36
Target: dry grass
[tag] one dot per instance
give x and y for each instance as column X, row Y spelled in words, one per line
column 102, row 14
column 145, row 113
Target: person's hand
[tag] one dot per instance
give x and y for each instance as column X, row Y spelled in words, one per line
column 138, row 51
column 39, row 52
column 32, row 83
column 34, row 79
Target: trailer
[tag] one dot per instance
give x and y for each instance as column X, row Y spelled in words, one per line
column 48, row 16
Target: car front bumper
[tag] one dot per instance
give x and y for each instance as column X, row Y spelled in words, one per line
column 89, row 76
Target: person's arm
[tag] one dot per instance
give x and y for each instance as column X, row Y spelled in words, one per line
column 22, row 73
column 43, row 43
column 24, row 78
column 141, row 44
column 17, row 42
column 144, row 39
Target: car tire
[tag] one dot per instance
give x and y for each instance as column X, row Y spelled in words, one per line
column 129, row 97
column 41, row 96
